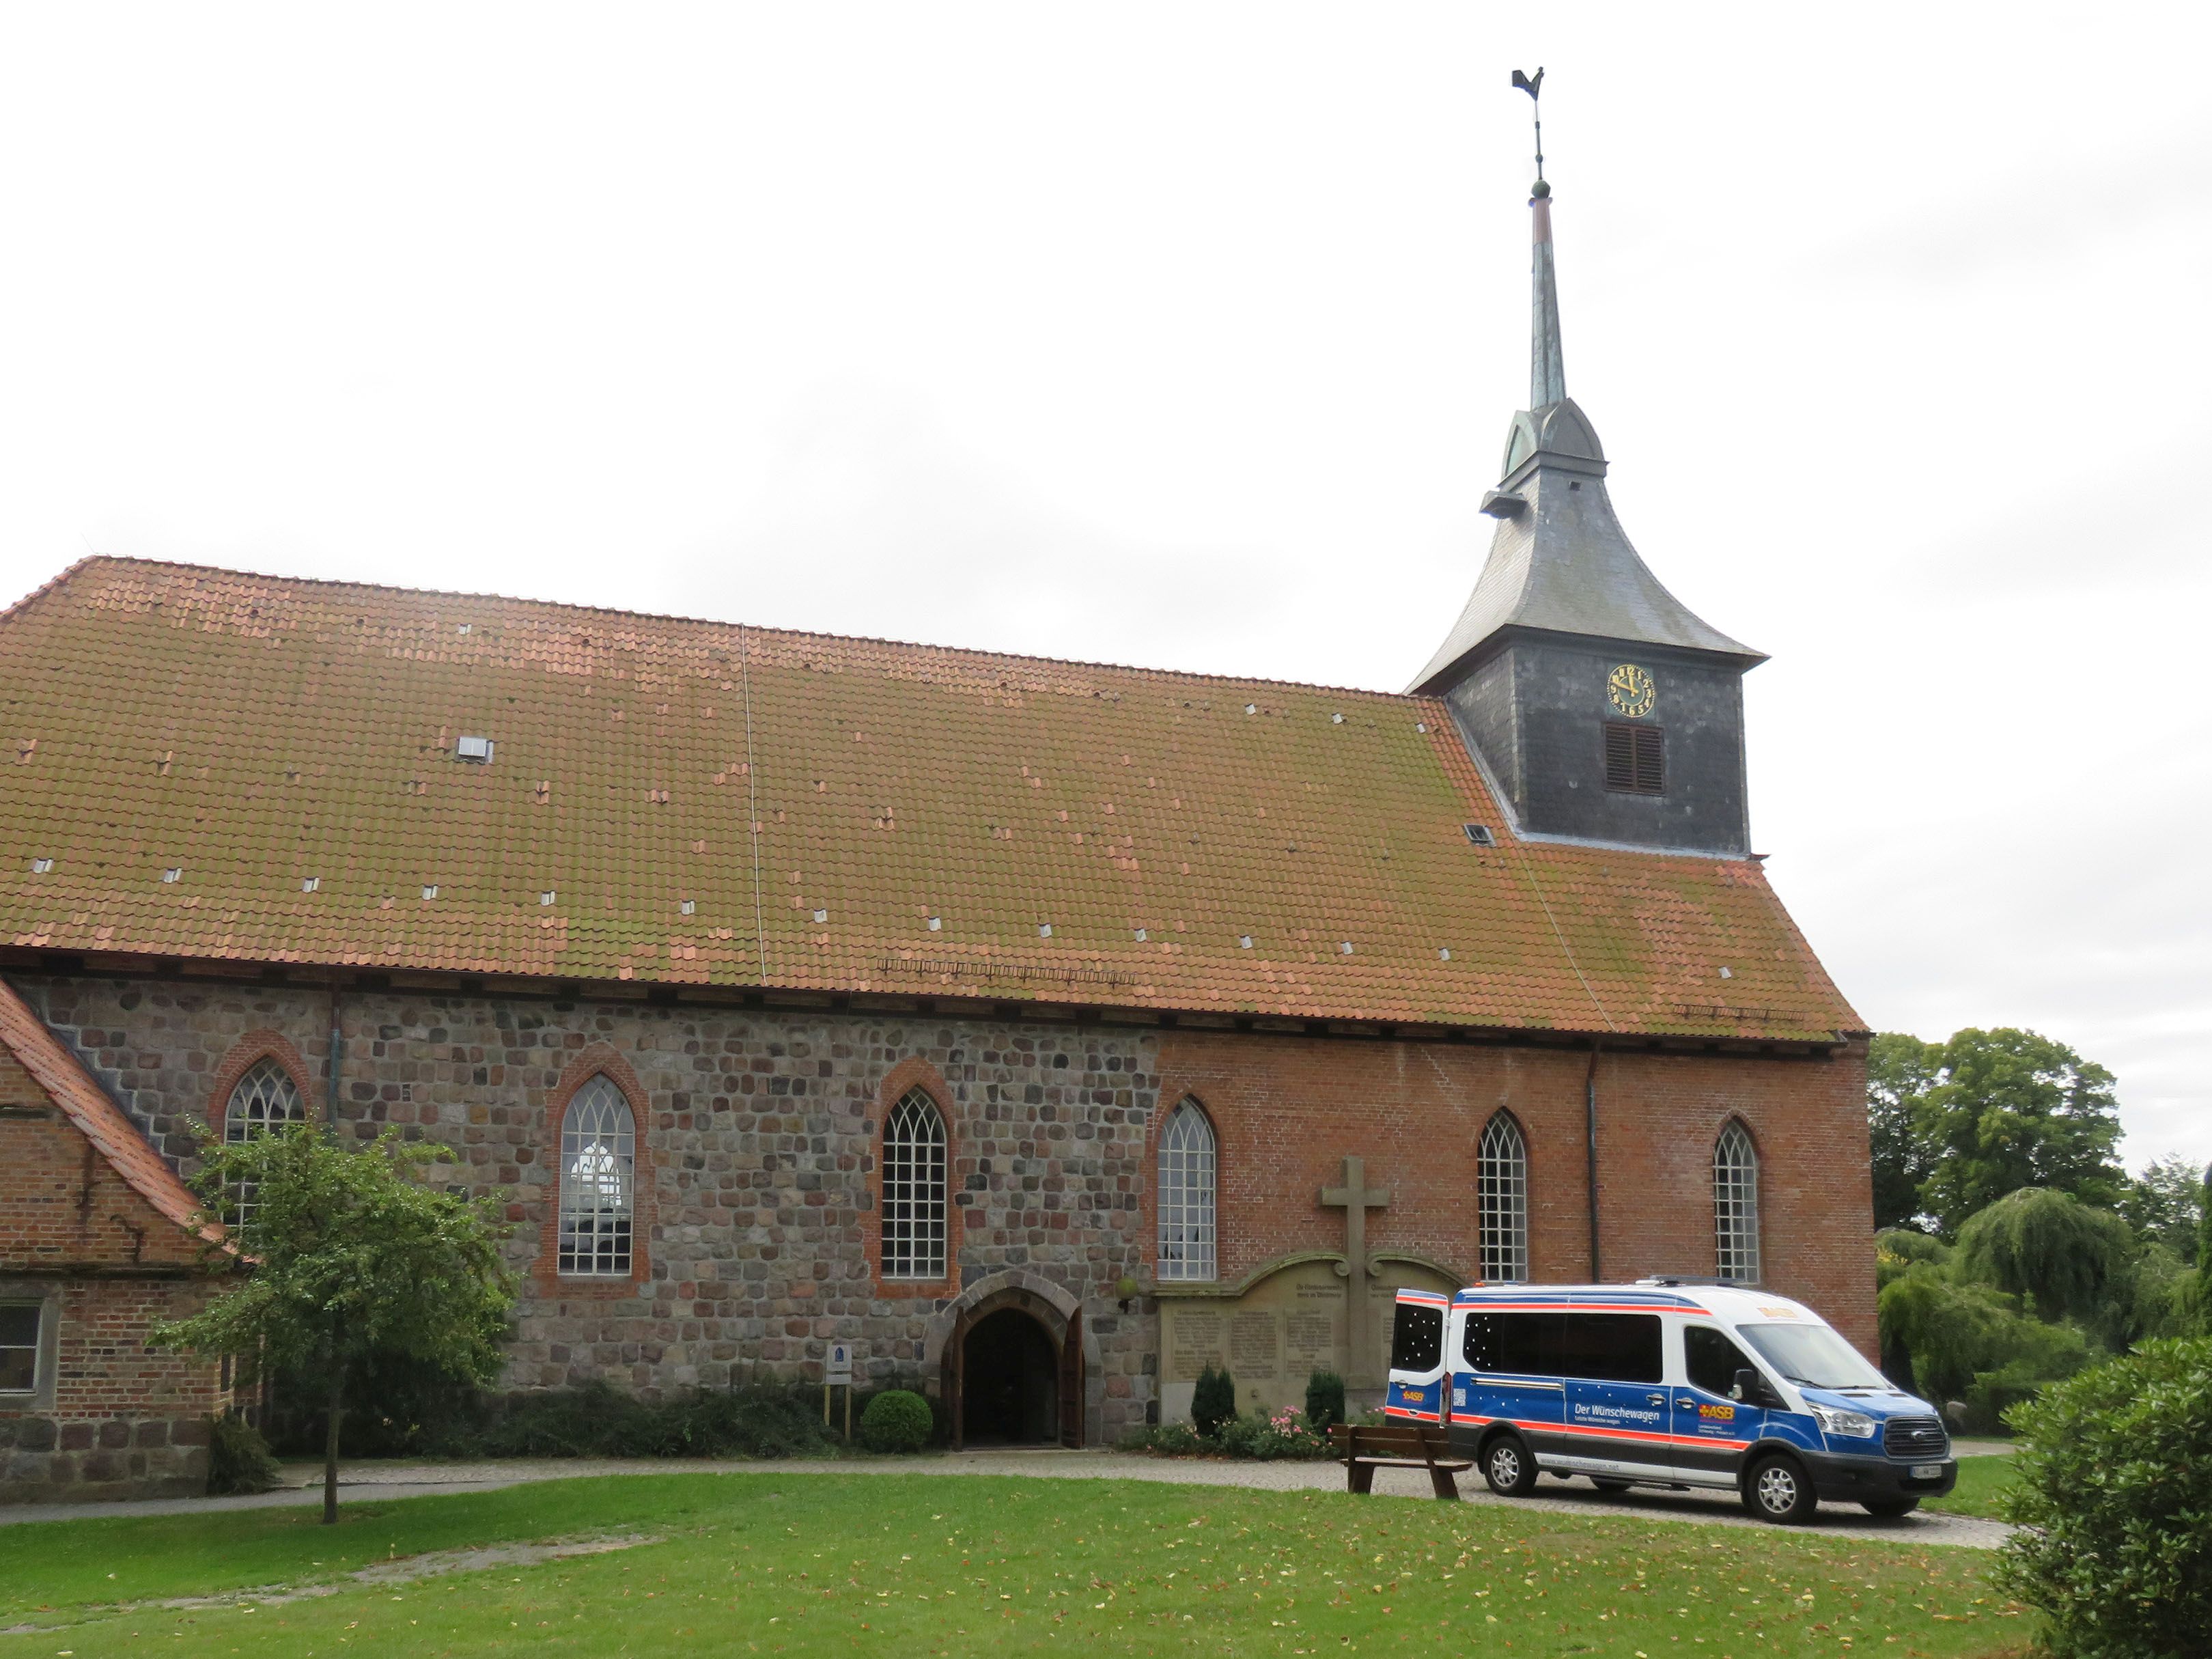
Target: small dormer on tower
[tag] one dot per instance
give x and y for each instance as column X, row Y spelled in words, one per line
column 1603, row 708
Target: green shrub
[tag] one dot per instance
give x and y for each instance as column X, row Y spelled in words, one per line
column 238, row 1459
column 1213, row 1402
column 1168, row 1440
column 895, row 1421
column 2115, row 1539
column 1324, row 1399
column 597, row 1420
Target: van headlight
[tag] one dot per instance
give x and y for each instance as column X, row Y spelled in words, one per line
column 1857, row 1424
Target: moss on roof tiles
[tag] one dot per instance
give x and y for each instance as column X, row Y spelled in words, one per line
column 255, row 732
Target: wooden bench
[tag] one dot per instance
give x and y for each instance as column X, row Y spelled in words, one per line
column 1397, row 1446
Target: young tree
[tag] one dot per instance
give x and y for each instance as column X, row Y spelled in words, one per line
column 1899, row 1070
column 352, row 1258
column 2011, row 1109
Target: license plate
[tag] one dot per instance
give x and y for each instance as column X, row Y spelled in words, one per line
column 1926, row 1470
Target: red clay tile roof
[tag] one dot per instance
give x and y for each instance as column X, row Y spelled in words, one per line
column 70, row 1087
column 920, row 821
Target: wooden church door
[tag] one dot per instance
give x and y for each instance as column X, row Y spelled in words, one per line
column 956, row 1365
column 1071, row 1382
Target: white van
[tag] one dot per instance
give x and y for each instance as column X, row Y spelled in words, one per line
column 1664, row 1382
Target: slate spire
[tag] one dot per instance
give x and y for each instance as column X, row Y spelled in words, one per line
column 1560, row 561
column 1602, row 708
column 1548, row 371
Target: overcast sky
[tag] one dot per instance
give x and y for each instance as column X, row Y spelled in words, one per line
column 1187, row 335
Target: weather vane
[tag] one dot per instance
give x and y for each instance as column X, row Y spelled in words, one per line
column 1533, row 86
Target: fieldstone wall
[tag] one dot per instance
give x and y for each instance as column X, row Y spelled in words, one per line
column 757, row 1158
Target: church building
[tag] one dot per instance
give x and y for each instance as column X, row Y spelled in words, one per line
column 1047, row 1031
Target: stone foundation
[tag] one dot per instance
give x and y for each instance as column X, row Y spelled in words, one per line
column 45, row 1460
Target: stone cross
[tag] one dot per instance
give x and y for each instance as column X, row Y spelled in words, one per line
column 1355, row 1198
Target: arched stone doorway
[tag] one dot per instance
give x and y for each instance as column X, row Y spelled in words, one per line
column 1016, row 1363
column 1009, row 1381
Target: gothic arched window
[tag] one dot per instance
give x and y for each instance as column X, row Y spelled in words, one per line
column 914, row 1189
column 266, row 1099
column 1736, row 1206
column 1502, row 1194
column 599, row 1180
column 1186, row 1194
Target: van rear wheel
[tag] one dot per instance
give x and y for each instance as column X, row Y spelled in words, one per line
column 1508, row 1467
column 1776, row 1489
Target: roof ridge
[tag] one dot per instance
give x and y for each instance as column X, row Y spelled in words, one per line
column 977, row 652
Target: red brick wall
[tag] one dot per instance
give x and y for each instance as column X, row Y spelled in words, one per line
column 61, row 1205
column 1289, row 1110
column 113, row 1417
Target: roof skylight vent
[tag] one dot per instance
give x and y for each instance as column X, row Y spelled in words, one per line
column 689, row 907
column 1251, row 708
column 1336, row 720
column 1346, row 947
column 1480, row 835
column 548, row 895
column 1444, row 953
column 1141, row 935
column 174, row 873
column 1244, row 941
column 473, row 749
column 1422, row 726
column 313, row 884
column 1044, row 930
column 821, row 916
column 431, row 890
column 1727, row 973
column 465, row 628
column 937, row 924
column 40, row 866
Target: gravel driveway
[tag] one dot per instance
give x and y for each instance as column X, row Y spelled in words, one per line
column 400, row 1479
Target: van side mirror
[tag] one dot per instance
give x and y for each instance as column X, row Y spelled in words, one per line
column 1749, row 1388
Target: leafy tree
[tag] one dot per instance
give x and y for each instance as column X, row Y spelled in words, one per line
column 353, row 1258
column 2070, row 1261
column 2166, row 1202
column 1900, row 1069
column 2009, row 1109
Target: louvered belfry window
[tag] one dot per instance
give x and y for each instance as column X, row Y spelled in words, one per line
column 914, row 1189
column 266, row 1099
column 1635, row 758
column 599, row 1180
column 1736, row 1206
column 1502, row 1201
column 1186, row 1196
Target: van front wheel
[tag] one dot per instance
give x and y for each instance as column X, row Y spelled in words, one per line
column 1508, row 1467
column 1776, row 1489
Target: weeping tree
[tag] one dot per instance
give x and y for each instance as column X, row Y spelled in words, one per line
column 354, row 1260
column 2070, row 1260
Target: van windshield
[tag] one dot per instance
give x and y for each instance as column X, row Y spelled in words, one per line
column 1812, row 1356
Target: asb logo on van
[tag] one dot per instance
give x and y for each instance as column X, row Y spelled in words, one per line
column 1717, row 1414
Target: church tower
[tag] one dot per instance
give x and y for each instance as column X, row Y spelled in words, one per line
column 1603, row 708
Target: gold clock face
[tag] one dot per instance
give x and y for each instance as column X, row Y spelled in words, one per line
column 1632, row 690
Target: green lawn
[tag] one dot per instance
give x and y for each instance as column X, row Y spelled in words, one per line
column 1980, row 1480
column 914, row 1564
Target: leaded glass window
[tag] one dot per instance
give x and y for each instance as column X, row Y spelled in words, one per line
column 266, row 1099
column 1502, row 1201
column 599, row 1180
column 1186, row 1194
column 1736, row 1206
column 914, row 1189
